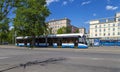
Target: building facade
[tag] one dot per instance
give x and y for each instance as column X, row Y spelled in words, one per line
column 74, row 29
column 54, row 25
column 82, row 30
column 106, row 28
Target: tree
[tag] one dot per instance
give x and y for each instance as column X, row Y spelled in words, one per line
column 4, row 29
column 30, row 18
column 11, row 36
column 63, row 30
column 5, row 8
column 68, row 29
column 76, row 31
column 47, row 30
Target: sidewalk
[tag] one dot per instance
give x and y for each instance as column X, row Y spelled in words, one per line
column 105, row 49
column 10, row 46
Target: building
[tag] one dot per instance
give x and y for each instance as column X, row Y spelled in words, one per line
column 54, row 25
column 82, row 30
column 106, row 28
column 74, row 29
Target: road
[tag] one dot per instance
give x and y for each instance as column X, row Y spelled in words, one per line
column 60, row 60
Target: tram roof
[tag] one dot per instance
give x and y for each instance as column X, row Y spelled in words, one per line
column 22, row 37
column 56, row 35
column 65, row 35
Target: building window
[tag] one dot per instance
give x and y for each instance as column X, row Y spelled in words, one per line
column 104, row 29
column 104, row 34
column 118, row 33
column 95, row 34
column 113, row 33
column 99, row 30
column 104, row 25
column 113, row 24
column 108, row 34
column 100, row 26
column 96, row 26
column 113, row 29
column 118, row 24
column 119, row 28
column 118, row 19
column 108, row 28
column 95, row 30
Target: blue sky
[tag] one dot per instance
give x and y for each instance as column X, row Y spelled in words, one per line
column 80, row 12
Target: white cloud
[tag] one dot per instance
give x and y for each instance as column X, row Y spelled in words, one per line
column 109, row 7
column 51, row 1
column 86, row 2
column 94, row 14
column 65, row 3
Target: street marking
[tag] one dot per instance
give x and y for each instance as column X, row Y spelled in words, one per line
column 3, row 57
column 95, row 58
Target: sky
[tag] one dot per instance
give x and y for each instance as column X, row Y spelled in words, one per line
column 80, row 12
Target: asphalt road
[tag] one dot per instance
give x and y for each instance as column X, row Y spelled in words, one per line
column 59, row 60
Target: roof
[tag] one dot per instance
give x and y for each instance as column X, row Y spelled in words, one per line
column 58, row 20
column 66, row 35
column 56, row 35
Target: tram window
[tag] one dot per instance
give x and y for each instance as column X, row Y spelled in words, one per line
column 81, row 40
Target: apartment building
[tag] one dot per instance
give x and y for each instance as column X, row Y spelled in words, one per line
column 54, row 25
column 106, row 28
column 82, row 30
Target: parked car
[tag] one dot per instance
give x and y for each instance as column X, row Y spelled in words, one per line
column 5, row 43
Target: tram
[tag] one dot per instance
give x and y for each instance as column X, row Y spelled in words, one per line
column 73, row 40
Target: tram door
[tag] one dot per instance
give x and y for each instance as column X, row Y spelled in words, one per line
column 59, row 41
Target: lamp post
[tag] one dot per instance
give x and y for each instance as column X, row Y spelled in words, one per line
column 15, row 37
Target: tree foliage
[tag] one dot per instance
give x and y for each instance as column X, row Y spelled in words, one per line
column 29, row 20
column 30, row 17
column 63, row 30
column 6, row 7
column 68, row 29
column 4, row 29
column 77, row 31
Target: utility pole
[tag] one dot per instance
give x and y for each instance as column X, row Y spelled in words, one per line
column 15, row 37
